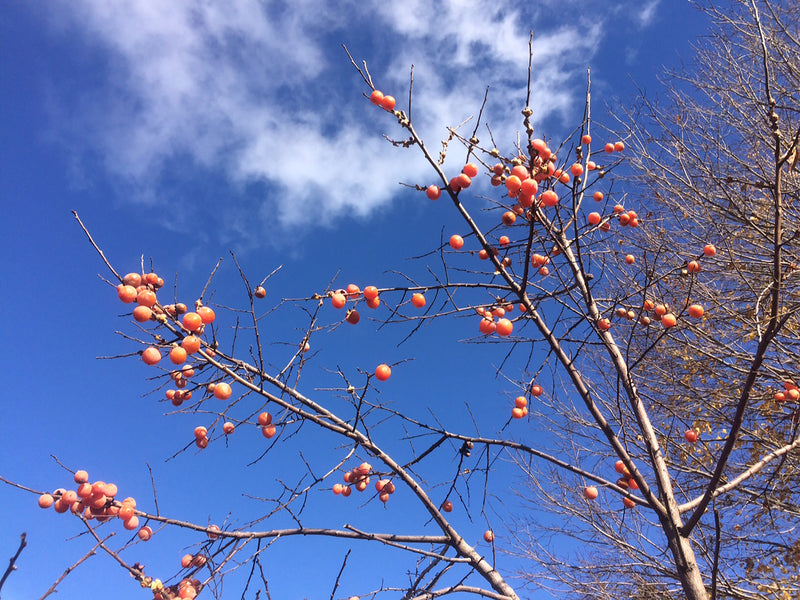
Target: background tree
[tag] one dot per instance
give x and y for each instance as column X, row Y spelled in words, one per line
column 715, row 162
column 601, row 333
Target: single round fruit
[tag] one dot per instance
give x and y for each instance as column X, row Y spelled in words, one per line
column 338, row 300
column 470, row 169
column 268, row 431
column 387, row 103
column 456, row 242
column 142, row 314
column 146, row 298
column 619, row 466
column 151, row 355
column 447, row 506
column 536, row 390
column 609, row 148
column 518, row 413
column 376, row 97
column 46, row 501
column 488, row 536
column 352, row 316
column 668, row 320
column 81, row 477
column 695, row 311
column 200, row 432
column 125, row 511
column 529, row 187
column 131, row 524
column 690, row 435
column 126, row 293
column 433, row 192
column 604, row 324
column 693, row 266
column 192, row 321
column 586, row 139
column 228, row 427
column 186, row 561
column 513, row 184
column 260, row 292
column 619, row 146
column 487, row 326
column 598, row 196
column 549, row 198
column 145, row 533
column 222, row 391
column 383, row 372
column 576, row 169
column 709, row 250
column 509, row 218
column 191, row 343
column 590, row 492
column 520, row 171
column 370, row 293
column 593, row 218
column 178, row 355
column 504, row 327
column 264, row 419
column 206, row 315
column 132, row 279
column 418, row 300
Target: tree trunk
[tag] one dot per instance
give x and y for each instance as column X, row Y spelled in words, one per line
column 685, row 564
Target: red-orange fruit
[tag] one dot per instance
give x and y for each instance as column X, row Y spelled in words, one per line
column 192, row 321
column 206, row 315
column 151, row 355
column 383, row 372
column 222, row 391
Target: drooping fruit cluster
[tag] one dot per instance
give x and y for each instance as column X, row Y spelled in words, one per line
column 520, row 409
column 95, row 501
column 790, row 393
column 502, row 326
column 186, row 589
column 626, row 482
column 359, row 478
column 353, row 293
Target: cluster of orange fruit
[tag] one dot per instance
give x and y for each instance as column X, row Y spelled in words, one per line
column 359, row 478
column 142, row 289
column 626, row 482
column 186, row 589
column 520, row 409
column 95, row 501
column 790, row 392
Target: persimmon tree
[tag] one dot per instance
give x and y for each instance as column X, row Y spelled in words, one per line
column 641, row 289
column 714, row 163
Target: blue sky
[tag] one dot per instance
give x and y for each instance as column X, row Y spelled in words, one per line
column 182, row 131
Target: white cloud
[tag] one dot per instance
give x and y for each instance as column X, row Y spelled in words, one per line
column 647, row 13
column 244, row 89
